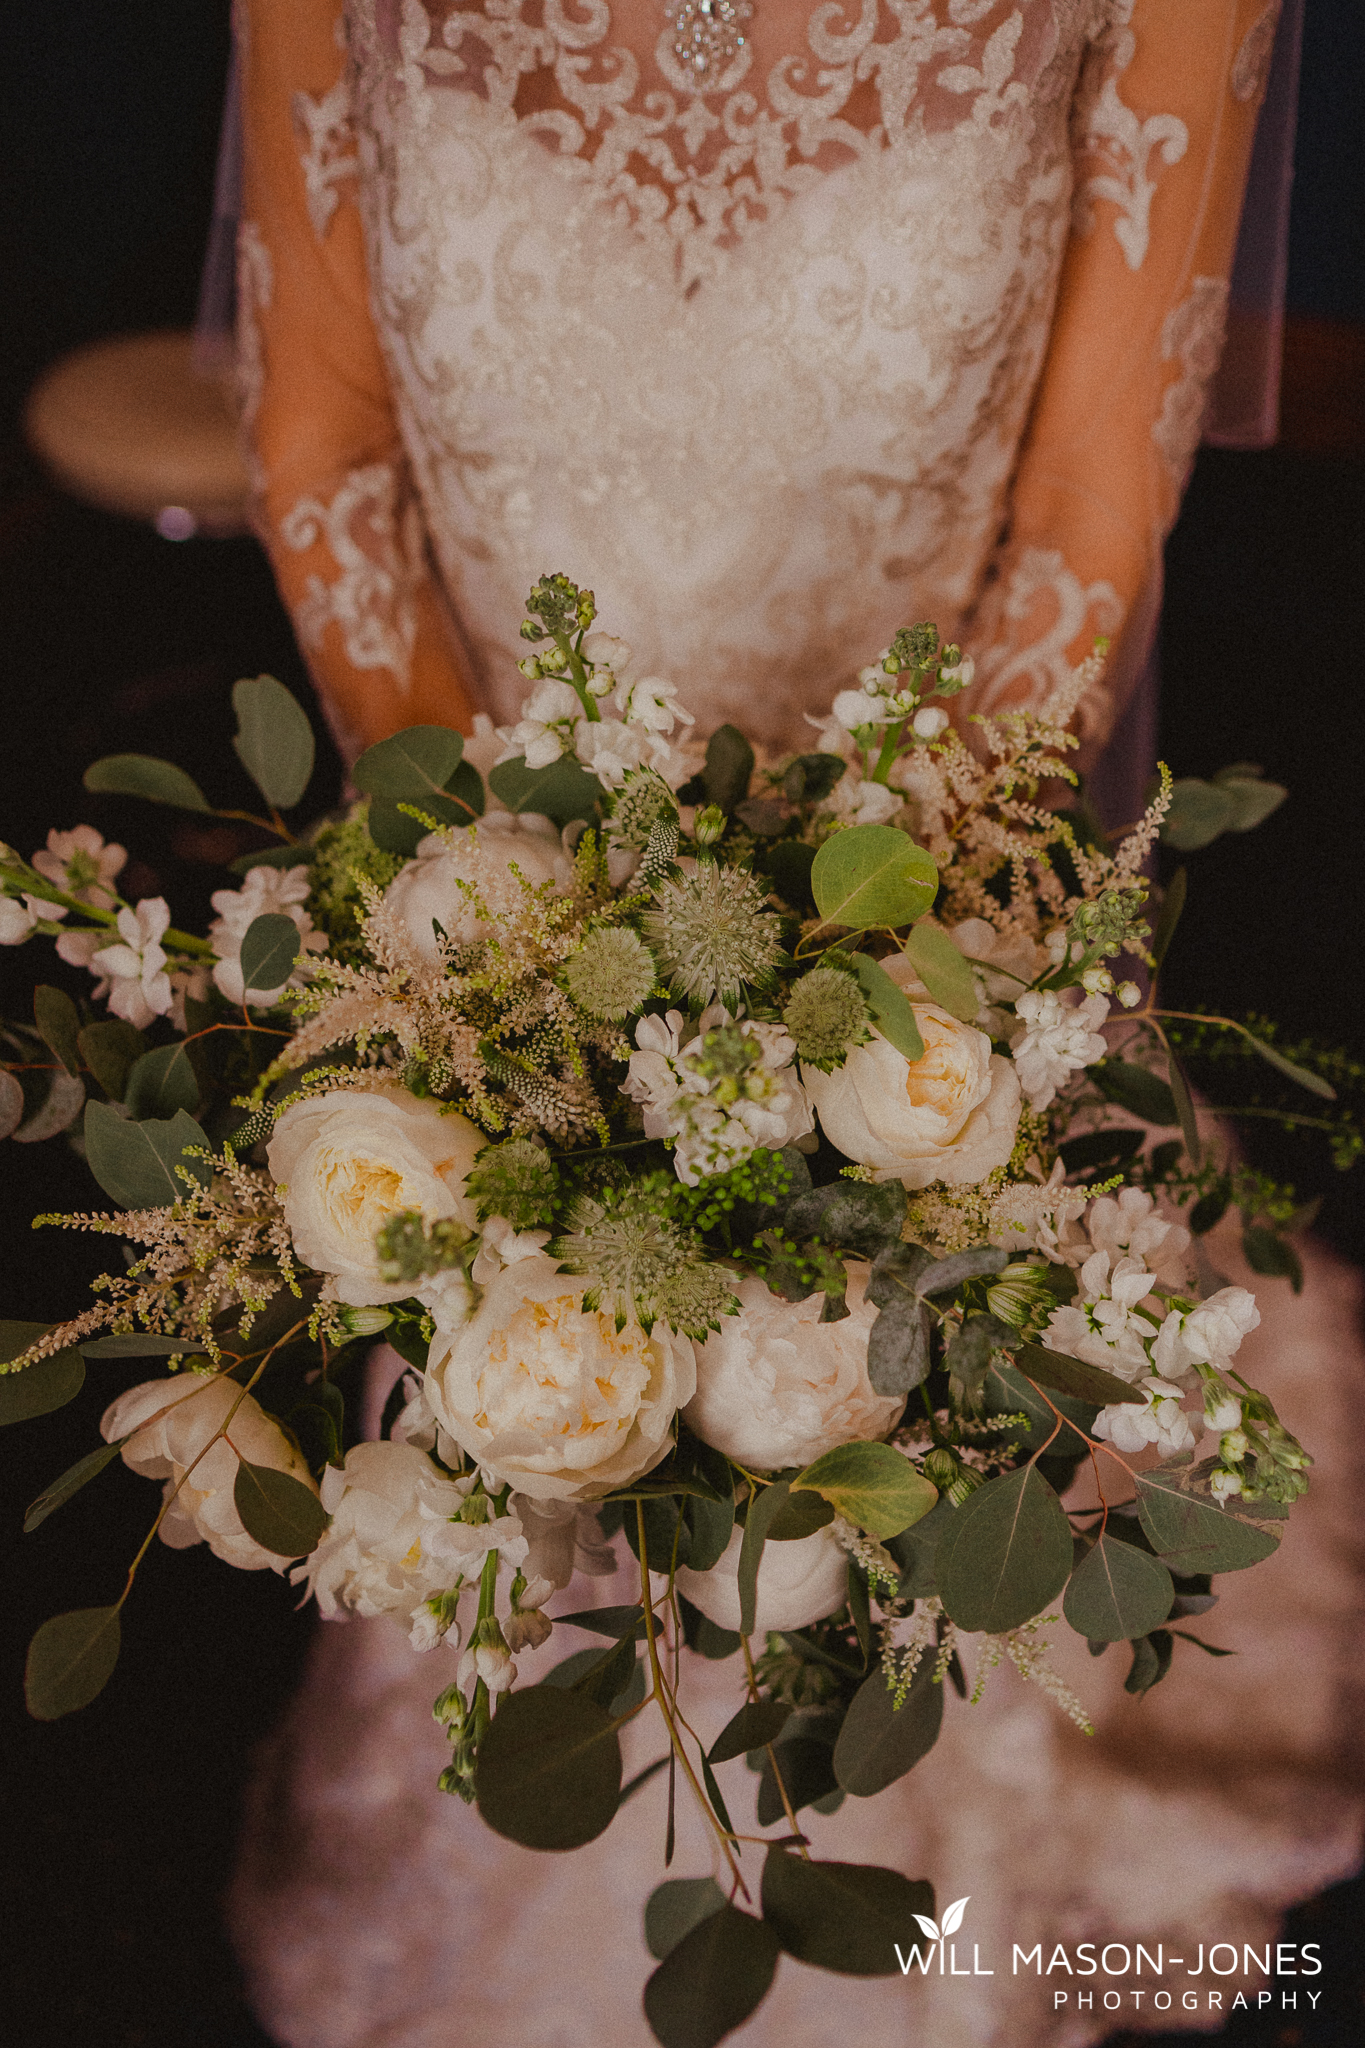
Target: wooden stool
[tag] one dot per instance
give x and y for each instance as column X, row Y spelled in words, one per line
column 135, row 426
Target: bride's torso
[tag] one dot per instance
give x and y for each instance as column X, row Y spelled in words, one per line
column 752, row 359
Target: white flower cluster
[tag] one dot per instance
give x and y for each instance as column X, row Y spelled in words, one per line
column 265, row 891
column 1056, row 1042
column 883, row 698
column 553, row 722
column 712, row 1128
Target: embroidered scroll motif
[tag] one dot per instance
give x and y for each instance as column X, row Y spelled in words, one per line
column 376, row 541
column 327, row 149
column 1192, row 337
column 1116, row 148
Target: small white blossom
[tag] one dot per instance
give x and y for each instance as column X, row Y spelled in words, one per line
column 134, row 972
column 489, row 1661
column 502, row 1246
column 1103, row 1328
column 929, row 722
column 651, row 703
column 680, row 1102
column 544, row 730
column 857, row 708
column 16, row 921
column 962, row 673
column 1207, row 1335
column 609, row 749
column 265, row 891
column 1162, row 1421
column 1129, row 1224
column 1056, row 1041
column 1225, row 1485
column 1226, row 1413
column 82, row 864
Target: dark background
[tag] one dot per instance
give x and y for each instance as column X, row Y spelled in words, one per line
column 118, row 1823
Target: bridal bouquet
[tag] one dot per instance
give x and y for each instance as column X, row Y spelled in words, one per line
column 781, row 1172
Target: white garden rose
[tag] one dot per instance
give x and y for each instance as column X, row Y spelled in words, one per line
column 481, row 856
column 777, row 1387
column 950, row 1116
column 798, row 1582
column 550, row 1395
column 394, row 1542
column 351, row 1159
column 166, row 1446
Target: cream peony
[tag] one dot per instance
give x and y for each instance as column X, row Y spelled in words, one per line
column 776, row 1386
column 551, row 1396
column 166, row 1445
column 950, row 1116
column 349, row 1160
column 798, row 1583
column 481, row 856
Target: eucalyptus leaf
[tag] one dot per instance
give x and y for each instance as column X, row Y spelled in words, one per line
column 1117, row 1592
column 1137, row 1090
column 159, row 782
column 58, row 1110
column 943, row 970
column 605, row 1621
column 1151, row 1661
column 59, row 1024
column 757, row 1723
column 1172, row 905
column 675, row 1908
column 806, row 1765
column 845, row 1917
column 763, row 1509
column 160, row 1083
column 800, row 1516
column 870, row 1485
column 890, row 1007
column 71, row 1659
column 564, row 791
column 40, row 1388
column 729, row 768
column 136, row 1163
column 549, row 1769
column 415, row 763
column 1073, row 1376
column 810, row 777
column 296, row 854
column 788, row 862
column 873, row 875
column 278, row 1511
column 1189, row 1531
column 1007, row 1554
column 274, row 740
column 1184, row 1109
column 110, row 1049
column 711, row 1523
column 1267, row 1252
column 71, row 1481
column 712, row 1980
column 11, row 1103
column 915, row 1550
column 270, row 947
column 970, row 1353
column 613, row 1678
column 879, row 1741
column 862, row 1215
column 1199, row 813
column 1305, row 1079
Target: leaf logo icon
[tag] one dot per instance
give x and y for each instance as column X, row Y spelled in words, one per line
column 928, row 1927
column 952, row 1918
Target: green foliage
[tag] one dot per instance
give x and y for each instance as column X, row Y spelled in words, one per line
column 763, row 1509
column 110, row 1049
column 274, row 740
column 563, row 791
column 278, row 1511
column 1237, row 800
column 343, row 855
column 1151, row 1661
column 880, row 1741
column 1117, row 1591
column 642, row 1264
column 422, row 767
column 870, row 1485
column 160, row 1083
column 757, row 1723
column 1172, row 905
column 549, row 1769
column 410, row 1249
column 1073, row 1376
column 944, row 971
column 158, row 782
column 70, row 1660
column 517, row 1180
column 613, row 1678
column 40, row 1388
column 675, row 1908
column 1007, row 1554
column 59, row 1023
column 872, row 875
column 728, row 771
column 138, row 1164
column 845, row 1917
column 890, row 1007
column 71, row 1481
column 712, row 1980
column 270, row 947
column 611, row 974
column 1189, row 1531
column 1136, row 1090
column 864, row 1216
column 810, row 778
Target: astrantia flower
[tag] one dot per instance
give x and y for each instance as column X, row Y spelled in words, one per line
column 643, row 1265
column 1056, row 1041
column 265, row 891
column 826, row 1014
column 133, row 974
column 516, row 1180
column 643, row 801
column 712, row 932
column 611, row 974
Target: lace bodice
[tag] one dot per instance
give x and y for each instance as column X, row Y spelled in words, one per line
column 751, row 348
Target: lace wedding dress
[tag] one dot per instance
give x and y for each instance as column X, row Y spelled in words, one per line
column 894, row 309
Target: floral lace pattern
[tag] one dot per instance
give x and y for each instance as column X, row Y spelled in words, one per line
column 1118, row 148
column 327, row 149
column 376, row 541
column 1251, row 65
column 1042, row 589
column 255, row 291
column 1193, row 339
column 761, row 461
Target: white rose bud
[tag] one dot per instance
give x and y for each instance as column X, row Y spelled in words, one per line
column 798, row 1582
column 482, row 856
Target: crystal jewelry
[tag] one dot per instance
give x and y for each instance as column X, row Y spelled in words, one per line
column 708, row 35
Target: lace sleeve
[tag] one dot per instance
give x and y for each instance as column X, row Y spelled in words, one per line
column 1164, row 121
column 334, row 501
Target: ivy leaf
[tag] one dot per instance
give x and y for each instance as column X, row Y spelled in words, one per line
column 1007, row 1554
column 274, row 740
column 944, row 972
column 763, row 1511
column 549, row 1769
column 757, row 1723
column 1117, row 1592
column 158, row 782
column 40, row 1388
column 879, row 1741
column 160, row 1083
column 677, row 1906
column 1190, row 1533
column 890, row 1006
column 1137, row 1090
column 59, row 1023
column 1073, row 1376
column 71, row 1481
column 278, row 1511
column 136, row 1164
column 712, row 1980
column 873, row 875
column 270, row 948
column 845, row 1917
column 70, row 1659
column 870, row 1485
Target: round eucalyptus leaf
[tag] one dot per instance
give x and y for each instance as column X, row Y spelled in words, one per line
column 138, row 1164
column 36, row 1389
column 1191, row 1533
column 57, row 1111
column 549, row 1769
column 879, row 1741
column 278, row 1511
column 159, row 782
column 269, row 949
column 1117, row 1592
column 59, row 1024
column 11, row 1104
column 1007, row 1553
column 873, row 875
column 710, row 1983
column 160, row 1083
column 870, row 1485
column 757, row 1723
column 274, row 740
column 846, row 1917
column 675, row 1908
column 416, row 763
column 944, row 972
column 70, row 1659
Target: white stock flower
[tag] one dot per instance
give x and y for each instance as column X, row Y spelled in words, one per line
column 16, row 921
column 501, row 1245
column 777, row 1387
column 133, row 973
column 861, row 802
column 710, row 1131
column 169, row 1445
column 434, row 887
column 552, row 1396
column 950, row 1116
column 351, row 1159
column 1057, row 1041
column 265, row 892
column 799, row 1582
column 855, row 708
column 82, row 864
column 609, row 749
column 1105, row 1329
column 393, row 1544
column 543, row 732
column 1129, row 1224
column 1207, row 1335
column 652, row 704
column 1162, row 1421
column 604, row 651
column 1225, row 1414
